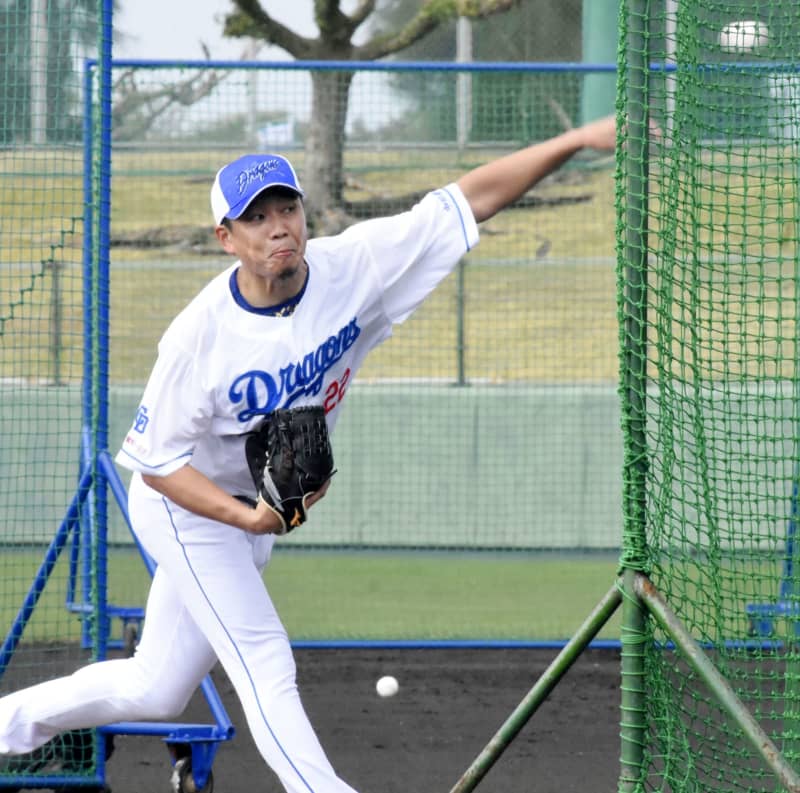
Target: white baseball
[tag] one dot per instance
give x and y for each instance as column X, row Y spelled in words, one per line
column 744, row 35
column 387, row 686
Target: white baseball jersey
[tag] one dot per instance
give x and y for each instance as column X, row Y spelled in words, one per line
column 222, row 364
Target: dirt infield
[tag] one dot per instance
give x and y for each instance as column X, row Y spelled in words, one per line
column 451, row 702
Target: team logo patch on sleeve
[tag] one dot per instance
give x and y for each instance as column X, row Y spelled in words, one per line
column 141, row 420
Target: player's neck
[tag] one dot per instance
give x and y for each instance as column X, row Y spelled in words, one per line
column 267, row 291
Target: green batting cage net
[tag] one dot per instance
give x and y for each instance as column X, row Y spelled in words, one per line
column 710, row 322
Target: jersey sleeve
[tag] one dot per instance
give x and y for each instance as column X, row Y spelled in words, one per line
column 412, row 252
column 173, row 413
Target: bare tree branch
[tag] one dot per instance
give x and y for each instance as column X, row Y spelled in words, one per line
column 364, row 9
column 336, row 28
column 250, row 20
column 560, row 113
column 332, row 23
column 478, row 9
column 432, row 14
column 135, row 111
column 323, row 165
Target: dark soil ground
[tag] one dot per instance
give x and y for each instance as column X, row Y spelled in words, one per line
column 450, row 704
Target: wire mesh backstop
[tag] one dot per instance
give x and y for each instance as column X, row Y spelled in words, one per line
column 512, row 360
column 489, row 423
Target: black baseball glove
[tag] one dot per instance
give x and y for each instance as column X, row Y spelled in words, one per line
column 290, row 458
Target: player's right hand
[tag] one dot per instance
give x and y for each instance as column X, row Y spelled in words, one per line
column 264, row 519
column 600, row 134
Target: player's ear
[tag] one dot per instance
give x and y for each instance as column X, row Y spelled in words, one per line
column 223, row 233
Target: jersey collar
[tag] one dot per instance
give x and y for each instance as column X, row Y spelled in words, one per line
column 284, row 309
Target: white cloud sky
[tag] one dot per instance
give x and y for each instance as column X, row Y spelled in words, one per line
column 160, row 29
column 174, row 29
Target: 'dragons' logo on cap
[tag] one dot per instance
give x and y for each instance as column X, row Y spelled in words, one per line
column 256, row 173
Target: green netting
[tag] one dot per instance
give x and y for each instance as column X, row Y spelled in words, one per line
column 708, row 237
column 496, row 386
column 489, row 423
column 497, row 367
column 42, row 293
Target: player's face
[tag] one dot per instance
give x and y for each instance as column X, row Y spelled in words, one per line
column 270, row 236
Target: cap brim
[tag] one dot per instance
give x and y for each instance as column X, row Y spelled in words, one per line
column 238, row 210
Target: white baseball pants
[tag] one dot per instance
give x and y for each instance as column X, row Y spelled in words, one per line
column 207, row 601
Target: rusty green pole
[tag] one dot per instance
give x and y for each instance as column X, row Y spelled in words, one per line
column 716, row 683
column 537, row 695
column 633, row 208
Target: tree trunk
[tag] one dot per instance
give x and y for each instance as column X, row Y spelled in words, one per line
column 323, row 177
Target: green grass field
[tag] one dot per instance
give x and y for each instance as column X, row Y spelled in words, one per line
column 414, row 596
column 371, row 595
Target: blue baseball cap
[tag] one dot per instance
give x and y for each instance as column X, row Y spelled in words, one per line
column 239, row 182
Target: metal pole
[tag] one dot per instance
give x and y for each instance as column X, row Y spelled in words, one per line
column 716, row 682
column 464, row 81
column 636, row 62
column 56, row 320
column 600, row 26
column 39, row 43
column 537, row 695
column 52, row 554
column 87, row 408
column 632, row 687
column 670, row 48
column 461, row 343
column 100, row 294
